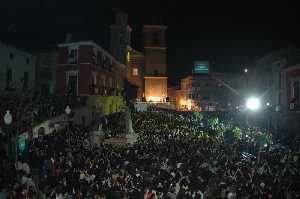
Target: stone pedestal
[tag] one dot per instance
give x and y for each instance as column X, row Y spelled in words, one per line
column 123, row 139
column 131, row 138
column 96, row 138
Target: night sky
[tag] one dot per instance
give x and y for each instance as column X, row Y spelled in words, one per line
column 230, row 34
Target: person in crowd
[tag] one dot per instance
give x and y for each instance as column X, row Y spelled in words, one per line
column 172, row 159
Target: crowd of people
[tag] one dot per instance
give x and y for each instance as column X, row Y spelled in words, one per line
column 174, row 158
column 33, row 109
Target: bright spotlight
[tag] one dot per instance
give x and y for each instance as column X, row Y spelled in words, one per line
column 253, row 103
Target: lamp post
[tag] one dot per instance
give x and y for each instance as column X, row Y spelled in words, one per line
column 8, row 120
column 269, row 116
column 252, row 104
column 247, row 81
column 68, row 111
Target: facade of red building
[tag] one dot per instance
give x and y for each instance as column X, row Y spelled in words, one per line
column 85, row 69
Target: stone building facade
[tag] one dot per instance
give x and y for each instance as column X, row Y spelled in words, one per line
column 155, row 63
column 17, row 69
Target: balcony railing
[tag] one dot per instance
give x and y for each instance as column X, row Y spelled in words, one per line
column 104, row 91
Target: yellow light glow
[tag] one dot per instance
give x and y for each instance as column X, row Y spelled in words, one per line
column 128, row 56
column 156, row 98
column 182, row 102
column 189, row 104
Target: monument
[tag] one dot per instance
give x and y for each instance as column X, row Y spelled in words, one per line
column 130, row 135
column 97, row 136
column 127, row 137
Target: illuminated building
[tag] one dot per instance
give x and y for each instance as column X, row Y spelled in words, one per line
column 275, row 77
column 155, row 88
column 201, row 91
column 120, row 37
column 121, row 49
column 155, row 63
column 135, row 70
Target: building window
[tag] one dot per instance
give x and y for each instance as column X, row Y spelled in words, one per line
column 105, row 63
column 72, row 83
column 46, row 74
column 206, row 97
column 135, row 71
column 72, row 56
column 155, row 38
column 25, row 81
column 128, row 56
column 94, row 74
column 110, row 84
column 110, row 63
column 296, row 90
column 94, row 56
column 99, row 58
column 11, row 56
column 121, row 41
column 103, row 81
column 8, row 78
column 27, row 61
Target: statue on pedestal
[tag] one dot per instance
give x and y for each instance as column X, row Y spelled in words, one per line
column 130, row 135
column 128, row 120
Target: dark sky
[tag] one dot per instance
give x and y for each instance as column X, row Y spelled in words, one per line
column 228, row 33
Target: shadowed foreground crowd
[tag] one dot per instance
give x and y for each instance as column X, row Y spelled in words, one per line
column 172, row 159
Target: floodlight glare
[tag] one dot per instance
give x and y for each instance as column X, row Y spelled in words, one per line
column 253, row 103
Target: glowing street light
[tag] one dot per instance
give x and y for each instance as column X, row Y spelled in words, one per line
column 68, row 110
column 253, row 104
column 246, row 70
column 7, row 118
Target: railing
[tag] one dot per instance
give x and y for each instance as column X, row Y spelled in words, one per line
column 104, row 91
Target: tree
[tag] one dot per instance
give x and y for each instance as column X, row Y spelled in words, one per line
column 263, row 139
column 213, row 122
column 198, row 116
column 231, row 135
column 21, row 105
column 237, row 133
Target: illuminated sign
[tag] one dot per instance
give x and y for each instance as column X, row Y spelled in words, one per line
column 201, row 67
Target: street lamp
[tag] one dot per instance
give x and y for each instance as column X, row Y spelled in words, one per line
column 253, row 104
column 8, row 120
column 246, row 78
column 68, row 111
